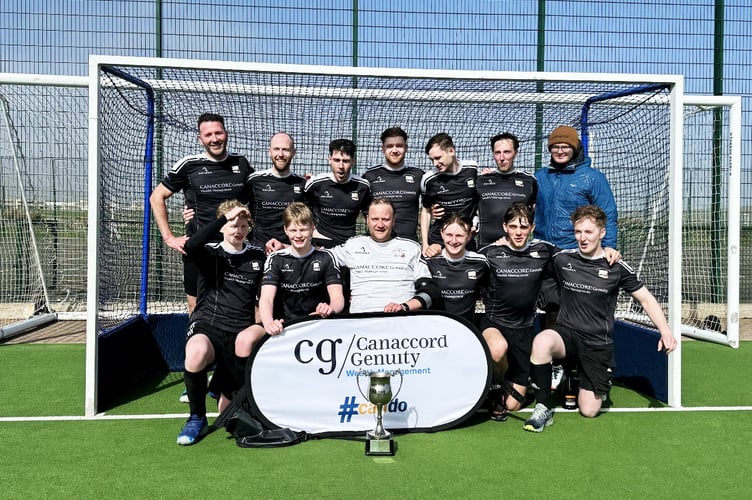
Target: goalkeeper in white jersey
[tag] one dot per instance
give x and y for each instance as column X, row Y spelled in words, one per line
column 387, row 274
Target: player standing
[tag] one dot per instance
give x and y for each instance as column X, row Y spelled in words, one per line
column 272, row 190
column 397, row 183
column 206, row 180
column 337, row 198
column 499, row 189
column 448, row 188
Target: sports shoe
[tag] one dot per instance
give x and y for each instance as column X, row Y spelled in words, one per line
column 557, row 375
column 195, row 427
column 541, row 418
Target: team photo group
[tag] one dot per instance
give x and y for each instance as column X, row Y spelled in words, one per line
column 264, row 246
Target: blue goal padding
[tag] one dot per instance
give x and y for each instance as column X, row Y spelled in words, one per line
column 638, row 364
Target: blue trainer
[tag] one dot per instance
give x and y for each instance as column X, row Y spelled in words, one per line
column 195, row 427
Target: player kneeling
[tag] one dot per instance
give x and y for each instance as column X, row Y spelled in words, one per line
column 584, row 328
column 229, row 282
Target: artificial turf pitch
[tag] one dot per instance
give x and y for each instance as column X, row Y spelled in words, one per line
column 647, row 454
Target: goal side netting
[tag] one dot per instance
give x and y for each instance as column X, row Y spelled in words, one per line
column 146, row 114
column 42, row 200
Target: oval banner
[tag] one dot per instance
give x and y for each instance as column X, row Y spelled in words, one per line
column 308, row 377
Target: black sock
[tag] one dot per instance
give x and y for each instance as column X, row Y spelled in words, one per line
column 195, row 388
column 540, row 376
column 240, row 365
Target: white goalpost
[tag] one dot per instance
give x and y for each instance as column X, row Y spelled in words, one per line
column 157, row 101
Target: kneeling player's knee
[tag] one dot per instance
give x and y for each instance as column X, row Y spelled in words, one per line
column 589, row 413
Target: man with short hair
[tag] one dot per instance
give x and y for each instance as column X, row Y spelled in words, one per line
column 230, row 275
column 498, row 190
column 271, row 191
column 299, row 280
column 584, row 328
column 398, row 183
column 337, row 198
column 206, row 180
column 387, row 273
column 518, row 267
column 448, row 188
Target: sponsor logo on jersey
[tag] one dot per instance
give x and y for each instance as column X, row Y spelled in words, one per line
column 204, row 171
column 354, row 196
column 362, row 251
column 268, row 189
column 316, row 265
column 535, row 255
column 400, row 253
column 326, row 195
column 286, row 268
column 568, row 267
column 378, row 180
column 488, row 182
column 519, row 183
column 439, row 275
column 471, row 275
column 409, row 179
column 296, row 189
column 471, row 183
column 442, row 189
column 603, row 273
column 235, row 169
column 256, row 265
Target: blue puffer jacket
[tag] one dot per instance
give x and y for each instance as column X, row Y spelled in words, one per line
column 560, row 191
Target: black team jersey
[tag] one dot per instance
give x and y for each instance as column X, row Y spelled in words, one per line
column 301, row 281
column 455, row 192
column 207, row 183
column 270, row 195
column 229, row 281
column 460, row 282
column 335, row 206
column 516, row 277
column 402, row 188
column 589, row 288
column 496, row 193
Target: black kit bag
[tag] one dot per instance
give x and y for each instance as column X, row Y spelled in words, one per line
column 248, row 431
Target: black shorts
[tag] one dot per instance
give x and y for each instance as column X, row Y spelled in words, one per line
column 520, row 341
column 548, row 297
column 227, row 372
column 595, row 363
column 190, row 276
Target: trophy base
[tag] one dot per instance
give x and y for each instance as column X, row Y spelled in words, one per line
column 380, row 447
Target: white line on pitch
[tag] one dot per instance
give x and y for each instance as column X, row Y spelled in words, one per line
column 155, row 416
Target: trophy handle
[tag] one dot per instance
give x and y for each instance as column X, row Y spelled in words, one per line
column 357, row 382
column 400, row 384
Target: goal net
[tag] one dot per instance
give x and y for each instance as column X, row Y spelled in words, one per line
column 146, row 110
column 42, row 199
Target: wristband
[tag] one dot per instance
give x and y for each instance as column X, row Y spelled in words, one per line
column 405, row 307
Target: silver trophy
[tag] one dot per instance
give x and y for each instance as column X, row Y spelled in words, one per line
column 379, row 441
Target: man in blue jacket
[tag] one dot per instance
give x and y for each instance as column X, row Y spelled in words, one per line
column 567, row 183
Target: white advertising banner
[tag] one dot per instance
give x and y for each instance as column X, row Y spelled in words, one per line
column 314, row 376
